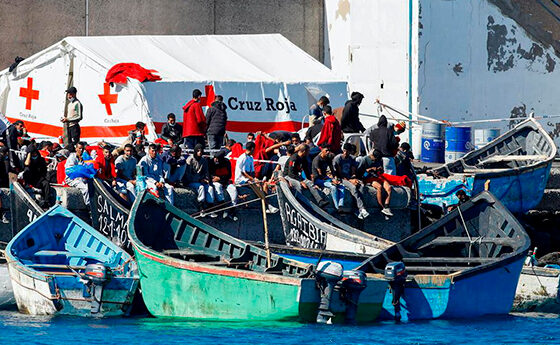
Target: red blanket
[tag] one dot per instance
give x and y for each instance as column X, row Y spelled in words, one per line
column 119, row 73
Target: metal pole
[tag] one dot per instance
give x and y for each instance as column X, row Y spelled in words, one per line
column 87, row 17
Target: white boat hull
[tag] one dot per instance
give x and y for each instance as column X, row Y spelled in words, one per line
column 537, row 290
column 7, row 299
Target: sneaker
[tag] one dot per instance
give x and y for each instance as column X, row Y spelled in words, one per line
column 235, row 219
column 225, row 214
column 202, row 214
column 387, row 211
column 213, row 215
column 5, row 219
column 363, row 214
column 272, row 209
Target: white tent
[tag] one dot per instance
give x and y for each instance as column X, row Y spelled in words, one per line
column 267, row 82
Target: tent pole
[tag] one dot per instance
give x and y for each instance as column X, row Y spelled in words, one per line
column 87, row 17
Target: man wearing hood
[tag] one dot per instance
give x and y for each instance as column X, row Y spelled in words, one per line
column 384, row 140
column 35, row 173
column 216, row 120
column 350, row 120
column 194, row 122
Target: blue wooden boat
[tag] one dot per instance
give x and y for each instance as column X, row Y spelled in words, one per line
column 517, row 164
column 58, row 264
column 466, row 264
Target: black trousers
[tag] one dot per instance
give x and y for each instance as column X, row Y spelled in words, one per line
column 43, row 184
column 74, row 134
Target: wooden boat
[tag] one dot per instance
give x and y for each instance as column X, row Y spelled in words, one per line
column 306, row 225
column 517, row 164
column 60, row 265
column 537, row 290
column 7, row 299
column 466, row 264
column 23, row 207
column 191, row 270
column 109, row 214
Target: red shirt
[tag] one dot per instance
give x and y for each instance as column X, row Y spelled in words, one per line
column 105, row 172
column 331, row 134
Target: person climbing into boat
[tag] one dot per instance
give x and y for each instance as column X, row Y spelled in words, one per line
column 220, row 174
column 125, row 166
column 331, row 133
column 384, row 140
column 462, row 198
column 295, row 166
column 197, row 177
column 350, row 120
column 370, row 171
column 245, row 172
column 152, row 168
column 345, row 169
column 320, row 169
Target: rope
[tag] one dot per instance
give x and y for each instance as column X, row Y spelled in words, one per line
column 539, row 280
column 197, row 214
column 471, row 241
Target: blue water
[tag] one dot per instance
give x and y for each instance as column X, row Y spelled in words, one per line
column 513, row 329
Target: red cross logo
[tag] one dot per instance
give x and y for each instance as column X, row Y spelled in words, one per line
column 210, row 96
column 107, row 98
column 28, row 93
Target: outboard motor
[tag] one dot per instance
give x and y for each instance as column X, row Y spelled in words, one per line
column 395, row 273
column 95, row 278
column 352, row 284
column 328, row 275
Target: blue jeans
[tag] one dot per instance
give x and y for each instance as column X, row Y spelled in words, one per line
column 215, row 141
column 337, row 191
column 191, row 141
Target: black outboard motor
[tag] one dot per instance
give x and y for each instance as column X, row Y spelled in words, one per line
column 96, row 276
column 328, row 275
column 352, row 284
column 395, row 273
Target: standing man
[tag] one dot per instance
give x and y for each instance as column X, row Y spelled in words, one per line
column 331, row 133
column 11, row 134
column 316, row 110
column 74, row 114
column 172, row 131
column 194, row 122
column 216, row 121
column 350, row 121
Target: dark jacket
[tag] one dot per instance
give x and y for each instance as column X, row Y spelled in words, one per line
column 384, row 139
column 36, row 170
column 350, row 120
column 216, row 119
column 222, row 169
column 174, row 132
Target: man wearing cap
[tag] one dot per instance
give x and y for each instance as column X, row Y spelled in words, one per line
column 74, row 114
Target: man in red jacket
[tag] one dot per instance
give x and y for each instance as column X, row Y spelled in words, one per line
column 331, row 134
column 194, row 121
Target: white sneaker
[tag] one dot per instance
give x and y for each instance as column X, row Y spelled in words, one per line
column 213, row 215
column 272, row 209
column 363, row 214
column 387, row 211
column 235, row 219
column 202, row 214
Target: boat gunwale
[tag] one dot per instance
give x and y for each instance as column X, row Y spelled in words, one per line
column 348, row 233
column 484, row 196
column 162, row 258
column 102, row 187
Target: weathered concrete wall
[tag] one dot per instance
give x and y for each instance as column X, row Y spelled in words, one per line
column 27, row 26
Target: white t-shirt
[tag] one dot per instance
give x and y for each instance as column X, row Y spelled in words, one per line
column 244, row 164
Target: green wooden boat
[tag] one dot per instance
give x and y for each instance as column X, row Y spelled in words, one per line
column 191, row 270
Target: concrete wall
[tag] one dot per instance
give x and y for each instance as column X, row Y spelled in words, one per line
column 27, row 26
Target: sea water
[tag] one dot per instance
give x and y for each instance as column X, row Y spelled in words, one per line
column 21, row 329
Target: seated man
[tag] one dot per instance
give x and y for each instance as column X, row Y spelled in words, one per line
column 321, row 165
column 125, row 166
column 220, row 173
column 174, row 165
column 370, row 170
column 296, row 164
column 403, row 160
column 35, row 173
column 197, row 177
column 106, row 171
column 245, row 172
column 345, row 169
column 152, row 168
column 76, row 158
column 172, row 132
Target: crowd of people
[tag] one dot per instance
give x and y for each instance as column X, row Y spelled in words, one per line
column 198, row 155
